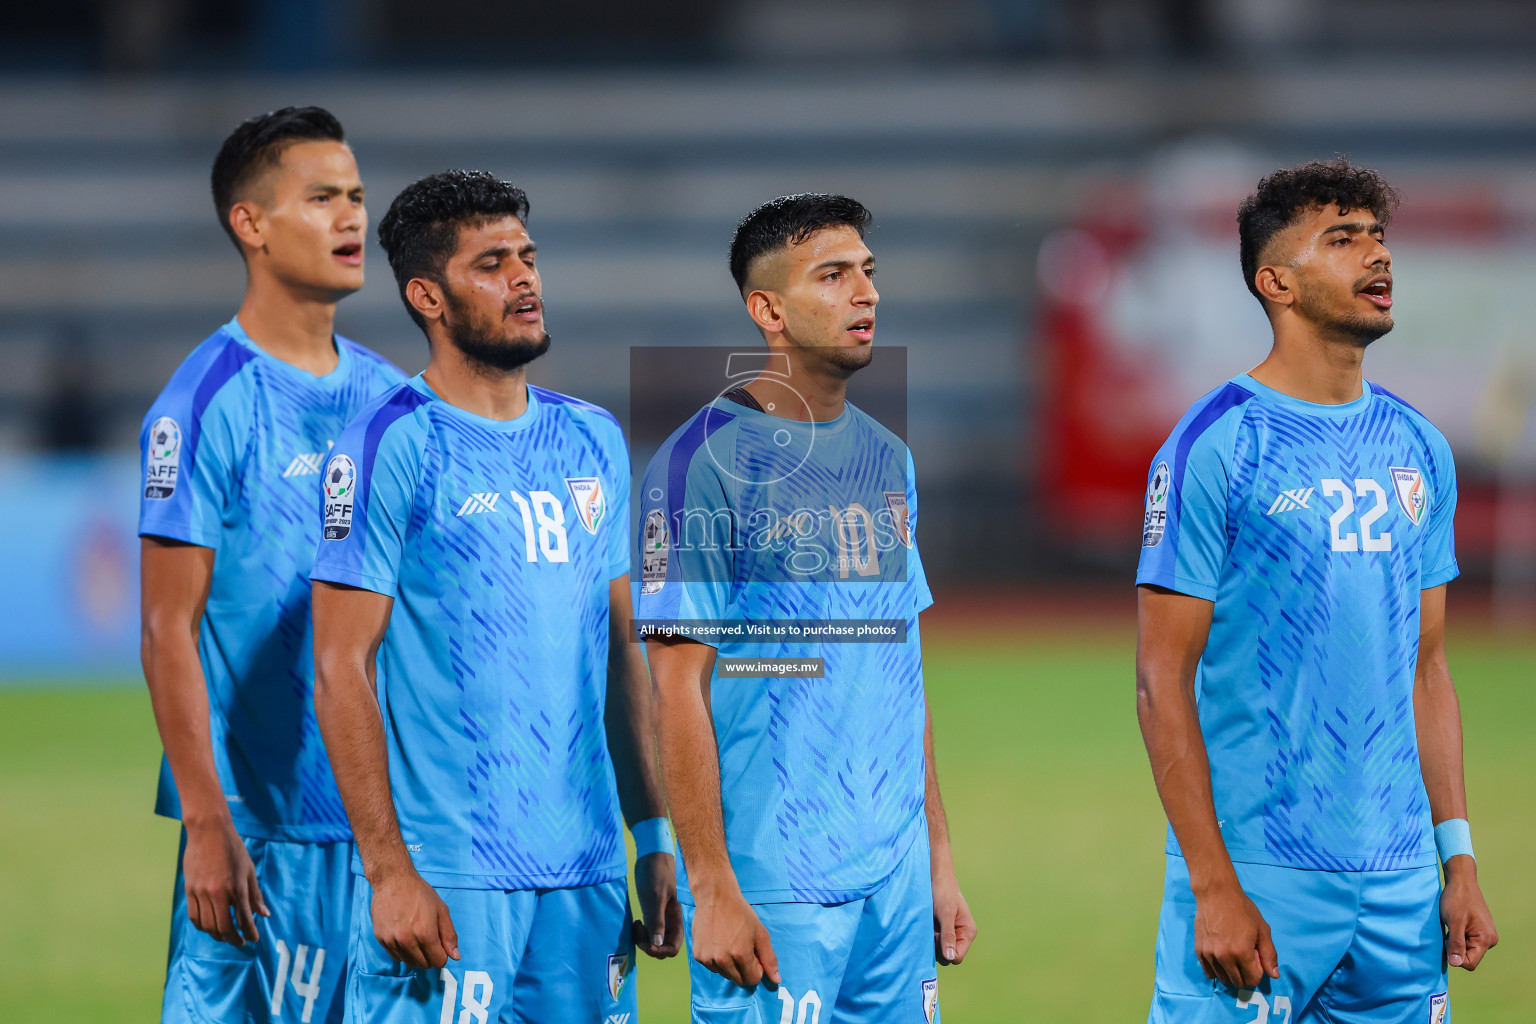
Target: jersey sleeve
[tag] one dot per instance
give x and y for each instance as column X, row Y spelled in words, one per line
column 1184, row 528
column 188, row 451
column 917, row 578
column 367, row 494
column 1439, row 551
column 687, row 528
column 617, row 525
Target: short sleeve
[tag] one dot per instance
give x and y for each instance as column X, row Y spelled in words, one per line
column 1439, row 551
column 188, row 456
column 617, row 528
column 687, row 528
column 1184, row 526
column 367, row 493
column 917, row 578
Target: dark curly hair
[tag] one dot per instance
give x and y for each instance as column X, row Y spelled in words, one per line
column 257, row 145
column 1283, row 195
column 421, row 229
column 790, row 220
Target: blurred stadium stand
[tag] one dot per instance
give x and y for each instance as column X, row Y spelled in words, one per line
column 1006, row 148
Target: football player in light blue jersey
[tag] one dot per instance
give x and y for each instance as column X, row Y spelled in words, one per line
column 1292, row 685
column 233, row 450
column 819, row 884
column 485, row 716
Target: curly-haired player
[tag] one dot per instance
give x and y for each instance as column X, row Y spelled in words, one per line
column 1291, row 679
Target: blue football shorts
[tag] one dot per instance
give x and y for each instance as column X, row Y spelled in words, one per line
column 867, row 961
column 296, row 971
column 527, row 956
column 1354, row 947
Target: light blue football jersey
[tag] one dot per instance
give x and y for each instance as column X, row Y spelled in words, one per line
column 498, row 540
column 750, row 518
column 232, row 452
column 1313, row 528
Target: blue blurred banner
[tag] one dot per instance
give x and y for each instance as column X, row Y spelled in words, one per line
column 69, row 577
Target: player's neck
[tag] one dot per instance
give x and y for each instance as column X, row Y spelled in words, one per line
column 1313, row 369
column 297, row 330
column 814, row 394
column 473, row 387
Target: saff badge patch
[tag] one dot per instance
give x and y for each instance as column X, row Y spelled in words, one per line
column 1155, row 523
column 164, row 462
column 1412, row 495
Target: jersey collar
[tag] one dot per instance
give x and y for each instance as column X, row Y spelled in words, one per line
column 527, row 419
column 329, row 380
column 1285, row 401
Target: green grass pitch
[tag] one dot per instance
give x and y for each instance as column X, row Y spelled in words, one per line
column 1057, row 833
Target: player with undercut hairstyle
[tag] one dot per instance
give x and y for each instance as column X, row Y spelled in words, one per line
column 232, row 453
column 1291, row 678
column 487, row 721
column 819, row 883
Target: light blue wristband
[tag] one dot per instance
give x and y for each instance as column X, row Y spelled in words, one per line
column 653, row 835
column 1453, row 838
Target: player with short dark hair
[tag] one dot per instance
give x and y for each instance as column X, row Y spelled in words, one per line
column 1292, row 685
column 485, row 716
column 819, row 884
column 233, row 449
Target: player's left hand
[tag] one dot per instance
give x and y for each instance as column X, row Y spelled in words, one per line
column 660, row 932
column 954, row 929
column 1469, row 928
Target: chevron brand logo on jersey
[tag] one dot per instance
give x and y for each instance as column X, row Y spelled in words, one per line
column 1411, row 493
column 307, row 464
column 591, row 503
column 478, row 502
column 931, row 999
column 1291, row 500
column 618, row 973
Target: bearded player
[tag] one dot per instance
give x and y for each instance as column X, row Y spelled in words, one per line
column 1292, row 684
column 233, row 449
column 819, row 884
column 487, row 720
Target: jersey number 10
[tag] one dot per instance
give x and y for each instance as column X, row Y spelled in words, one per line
column 1364, row 540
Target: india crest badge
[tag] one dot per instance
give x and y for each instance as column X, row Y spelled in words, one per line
column 591, row 504
column 1412, row 495
column 618, row 973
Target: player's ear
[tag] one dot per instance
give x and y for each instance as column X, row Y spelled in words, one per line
column 425, row 296
column 764, row 309
column 1276, row 285
column 248, row 223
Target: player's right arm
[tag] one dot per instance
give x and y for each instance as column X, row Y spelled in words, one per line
column 410, row 919
column 1184, row 548
column 1232, row 939
column 191, row 447
column 368, row 490
column 727, row 936
column 222, row 893
column 692, row 581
